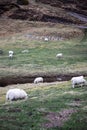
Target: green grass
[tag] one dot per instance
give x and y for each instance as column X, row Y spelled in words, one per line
column 31, row 114
column 42, row 55
column 43, row 98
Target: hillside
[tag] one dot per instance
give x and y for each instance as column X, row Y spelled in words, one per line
column 26, row 26
column 53, row 104
column 56, row 11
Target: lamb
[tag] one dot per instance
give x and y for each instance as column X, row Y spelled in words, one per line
column 11, row 54
column 38, row 80
column 79, row 80
column 15, row 94
column 59, row 55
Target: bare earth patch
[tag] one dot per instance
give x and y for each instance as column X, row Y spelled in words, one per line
column 14, row 110
column 57, row 119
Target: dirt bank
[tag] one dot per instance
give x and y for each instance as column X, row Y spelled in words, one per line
column 4, row 81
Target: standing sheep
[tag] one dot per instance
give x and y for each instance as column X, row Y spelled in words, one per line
column 38, row 80
column 79, row 80
column 15, row 94
column 11, row 54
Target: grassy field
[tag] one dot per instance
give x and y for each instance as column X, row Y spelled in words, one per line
column 66, row 106
column 53, row 106
column 42, row 55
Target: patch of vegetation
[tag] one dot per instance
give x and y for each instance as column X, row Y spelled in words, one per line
column 55, row 98
column 42, row 55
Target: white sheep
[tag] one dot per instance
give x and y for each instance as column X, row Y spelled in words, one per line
column 15, row 94
column 59, row 55
column 11, row 54
column 79, row 80
column 38, row 80
column 46, row 39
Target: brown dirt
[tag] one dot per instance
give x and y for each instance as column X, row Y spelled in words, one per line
column 37, row 11
column 57, row 119
column 14, row 110
column 8, row 80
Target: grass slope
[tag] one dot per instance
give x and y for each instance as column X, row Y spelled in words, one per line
column 44, row 98
column 42, row 55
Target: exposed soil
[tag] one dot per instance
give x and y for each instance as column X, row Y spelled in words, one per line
column 57, row 119
column 8, row 80
column 47, row 12
column 14, row 110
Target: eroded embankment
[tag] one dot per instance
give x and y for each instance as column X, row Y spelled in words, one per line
column 8, row 80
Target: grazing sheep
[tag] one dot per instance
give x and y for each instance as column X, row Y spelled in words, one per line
column 38, row 80
column 15, row 94
column 46, row 39
column 11, row 54
column 79, row 80
column 59, row 55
